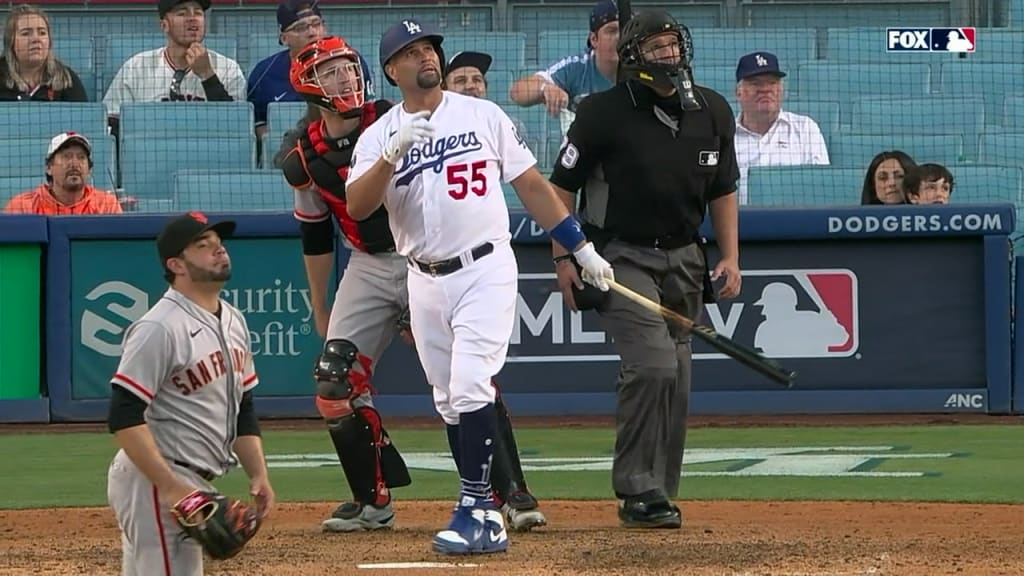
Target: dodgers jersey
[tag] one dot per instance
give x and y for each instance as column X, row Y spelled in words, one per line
column 147, row 77
column 445, row 197
column 191, row 368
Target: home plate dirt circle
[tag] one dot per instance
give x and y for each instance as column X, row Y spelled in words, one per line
column 583, row 537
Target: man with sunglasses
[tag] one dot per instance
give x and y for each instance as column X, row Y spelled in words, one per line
column 300, row 24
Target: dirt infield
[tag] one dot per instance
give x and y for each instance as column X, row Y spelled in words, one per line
column 718, row 538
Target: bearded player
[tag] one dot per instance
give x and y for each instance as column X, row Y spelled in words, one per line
column 371, row 297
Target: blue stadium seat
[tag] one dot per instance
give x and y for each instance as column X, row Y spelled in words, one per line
column 250, row 191
column 46, row 119
column 839, row 14
column 797, row 186
column 158, row 139
column 869, row 45
column 918, row 115
column 993, row 81
column 118, row 48
column 721, row 79
column 980, row 184
column 99, row 21
column 91, row 84
column 857, row 150
column 555, row 44
column 1013, row 113
column 1002, row 148
column 847, row 82
column 76, row 51
column 259, row 47
column 825, row 113
column 535, row 124
column 507, row 49
column 724, row 46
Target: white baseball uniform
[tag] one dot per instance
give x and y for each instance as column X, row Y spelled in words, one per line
column 147, row 77
column 191, row 368
column 445, row 201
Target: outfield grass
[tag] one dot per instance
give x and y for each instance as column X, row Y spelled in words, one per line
column 974, row 464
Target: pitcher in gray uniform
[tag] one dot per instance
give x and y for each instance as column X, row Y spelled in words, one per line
column 315, row 159
column 181, row 406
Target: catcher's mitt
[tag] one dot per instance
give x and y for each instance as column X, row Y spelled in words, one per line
column 220, row 524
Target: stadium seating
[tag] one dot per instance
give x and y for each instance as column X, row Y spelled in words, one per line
column 508, row 49
column 281, row 116
column 251, row 191
column 868, row 45
column 1001, row 148
column 1012, row 118
column 192, row 135
column 824, row 113
column 77, row 52
column 724, row 47
column 116, row 49
column 910, row 116
column 989, row 80
column 846, row 83
column 857, row 150
column 824, row 14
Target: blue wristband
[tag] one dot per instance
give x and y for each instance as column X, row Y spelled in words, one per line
column 568, row 233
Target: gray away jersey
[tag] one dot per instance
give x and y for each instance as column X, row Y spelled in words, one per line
column 191, row 368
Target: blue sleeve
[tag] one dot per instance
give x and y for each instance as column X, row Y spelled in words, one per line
column 568, row 74
column 256, row 91
column 371, row 94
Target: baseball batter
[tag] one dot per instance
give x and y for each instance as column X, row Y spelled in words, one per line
column 371, row 297
column 181, row 407
column 435, row 162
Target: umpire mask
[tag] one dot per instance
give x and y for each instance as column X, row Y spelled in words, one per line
column 663, row 63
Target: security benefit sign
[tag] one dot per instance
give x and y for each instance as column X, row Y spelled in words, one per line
column 849, row 315
column 113, row 283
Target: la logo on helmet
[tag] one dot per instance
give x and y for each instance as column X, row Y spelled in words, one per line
column 412, row 27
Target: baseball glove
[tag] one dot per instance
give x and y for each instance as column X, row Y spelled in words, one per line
column 220, row 524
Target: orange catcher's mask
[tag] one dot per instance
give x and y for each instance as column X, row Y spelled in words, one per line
column 327, row 73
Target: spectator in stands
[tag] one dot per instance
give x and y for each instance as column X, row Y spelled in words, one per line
column 928, row 184
column 183, row 70
column 767, row 135
column 883, row 182
column 300, row 23
column 65, row 192
column 561, row 87
column 466, row 73
column 29, row 70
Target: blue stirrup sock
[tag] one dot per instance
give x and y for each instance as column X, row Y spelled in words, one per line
column 478, row 431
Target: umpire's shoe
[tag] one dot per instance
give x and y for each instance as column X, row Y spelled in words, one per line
column 521, row 512
column 355, row 517
column 649, row 510
column 475, row 528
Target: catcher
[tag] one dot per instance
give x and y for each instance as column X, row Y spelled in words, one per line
column 315, row 159
column 181, row 408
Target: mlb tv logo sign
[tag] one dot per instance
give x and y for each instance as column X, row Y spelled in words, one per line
column 792, row 314
column 930, row 40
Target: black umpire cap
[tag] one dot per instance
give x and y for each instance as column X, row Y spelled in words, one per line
column 181, row 231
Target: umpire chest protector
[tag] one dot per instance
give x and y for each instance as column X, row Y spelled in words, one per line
column 327, row 164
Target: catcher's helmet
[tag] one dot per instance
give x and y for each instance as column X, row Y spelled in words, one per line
column 645, row 68
column 401, row 35
column 344, row 98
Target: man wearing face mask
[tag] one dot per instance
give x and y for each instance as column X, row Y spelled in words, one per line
column 300, row 23
column 644, row 190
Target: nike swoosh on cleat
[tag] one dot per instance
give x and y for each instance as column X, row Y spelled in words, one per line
column 496, row 536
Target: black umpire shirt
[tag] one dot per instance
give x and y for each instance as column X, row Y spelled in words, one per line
column 646, row 169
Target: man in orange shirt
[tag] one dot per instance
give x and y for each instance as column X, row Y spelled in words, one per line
column 68, row 167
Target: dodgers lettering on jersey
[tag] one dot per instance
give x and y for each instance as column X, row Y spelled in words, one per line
column 445, row 197
column 191, row 368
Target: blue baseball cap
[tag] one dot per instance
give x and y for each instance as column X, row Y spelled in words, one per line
column 602, row 13
column 291, row 11
column 401, row 35
column 757, row 63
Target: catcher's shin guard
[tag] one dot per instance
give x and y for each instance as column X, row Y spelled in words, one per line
column 370, row 461
column 507, row 475
column 342, row 374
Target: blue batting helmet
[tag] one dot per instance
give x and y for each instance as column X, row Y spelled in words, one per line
column 401, row 35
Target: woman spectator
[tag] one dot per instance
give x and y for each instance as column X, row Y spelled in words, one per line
column 883, row 183
column 28, row 68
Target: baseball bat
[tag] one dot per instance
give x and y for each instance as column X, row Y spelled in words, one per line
column 746, row 356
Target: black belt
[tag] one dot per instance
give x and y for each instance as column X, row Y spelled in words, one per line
column 445, row 267
column 204, row 474
column 659, row 242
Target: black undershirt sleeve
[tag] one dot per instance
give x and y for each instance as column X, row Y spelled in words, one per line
column 248, row 425
column 126, row 410
column 317, row 237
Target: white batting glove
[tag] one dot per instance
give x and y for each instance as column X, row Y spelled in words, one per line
column 596, row 270
column 417, row 130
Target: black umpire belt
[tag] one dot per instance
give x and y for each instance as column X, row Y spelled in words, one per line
column 204, row 474
column 659, row 242
column 445, row 267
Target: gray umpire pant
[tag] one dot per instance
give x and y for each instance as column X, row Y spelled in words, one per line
column 653, row 389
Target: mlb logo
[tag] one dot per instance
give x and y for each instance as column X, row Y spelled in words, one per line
column 952, row 39
column 804, row 313
column 708, row 158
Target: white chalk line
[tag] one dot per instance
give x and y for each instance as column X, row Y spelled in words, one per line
column 413, row 565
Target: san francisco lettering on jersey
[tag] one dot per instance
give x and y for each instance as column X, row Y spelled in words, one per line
column 433, row 155
column 208, row 369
